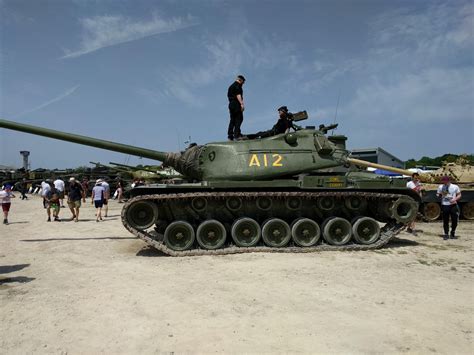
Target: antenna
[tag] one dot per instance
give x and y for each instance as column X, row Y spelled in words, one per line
column 337, row 106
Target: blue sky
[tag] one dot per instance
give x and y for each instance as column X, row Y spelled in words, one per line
column 154, row 73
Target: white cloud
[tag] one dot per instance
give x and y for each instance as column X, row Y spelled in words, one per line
column 224, row 55
column 58, row 98
column 106, row 31
column 431, row 97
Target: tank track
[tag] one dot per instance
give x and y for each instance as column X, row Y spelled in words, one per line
column 387, row 232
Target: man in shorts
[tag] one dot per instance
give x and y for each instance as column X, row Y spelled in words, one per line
column 98, row 196
column 74, row 197
column 5, row 196
column 52, row 200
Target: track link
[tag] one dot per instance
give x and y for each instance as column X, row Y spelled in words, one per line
column 388, row 231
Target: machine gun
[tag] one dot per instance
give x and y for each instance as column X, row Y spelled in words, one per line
column 298, row 116
column 325, row 129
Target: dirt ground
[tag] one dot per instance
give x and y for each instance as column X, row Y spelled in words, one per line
column 91, row 287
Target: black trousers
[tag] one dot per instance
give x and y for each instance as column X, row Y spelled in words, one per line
column 261, row 134
column 236, row 119
column 453, row 211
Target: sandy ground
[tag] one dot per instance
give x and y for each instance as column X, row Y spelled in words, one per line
column 91, row 287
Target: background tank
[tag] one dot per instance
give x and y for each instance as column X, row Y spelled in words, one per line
column 271, row 194
column 461, row 173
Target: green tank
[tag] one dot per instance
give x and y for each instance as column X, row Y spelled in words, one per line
column 293, row 192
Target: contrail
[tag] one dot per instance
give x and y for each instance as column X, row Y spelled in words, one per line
column 56, row 99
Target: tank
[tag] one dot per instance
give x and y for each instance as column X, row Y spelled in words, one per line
column 292, row 192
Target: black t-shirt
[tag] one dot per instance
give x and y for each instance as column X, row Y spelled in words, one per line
column 281, row 126
column 75, row 192
column 234, row 90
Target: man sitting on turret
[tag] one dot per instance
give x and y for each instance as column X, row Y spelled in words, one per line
column 284, row 123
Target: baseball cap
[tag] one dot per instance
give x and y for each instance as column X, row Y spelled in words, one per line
column 445, row 178
column 72, row 179
column 8, row 186
column 283, row 108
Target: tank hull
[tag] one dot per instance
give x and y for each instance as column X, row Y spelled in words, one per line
column 273, row 210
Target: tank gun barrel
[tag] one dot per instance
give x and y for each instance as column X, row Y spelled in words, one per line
column 134, row 168
column 379, row 166
column 92, row 142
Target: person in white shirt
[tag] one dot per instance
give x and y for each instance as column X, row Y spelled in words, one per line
column 59, row 185
column 416, row 186
column 98, row 195
column 106, row 186
column 45, row 188
column 450, row 195
column 5, row 201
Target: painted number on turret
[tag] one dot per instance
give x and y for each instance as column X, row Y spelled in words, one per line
column 264, row 160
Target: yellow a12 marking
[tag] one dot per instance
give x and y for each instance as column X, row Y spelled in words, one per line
column 265, row 160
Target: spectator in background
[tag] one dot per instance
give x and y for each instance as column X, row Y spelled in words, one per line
column 120, row 191
column 5, row 199
column 45, row 187
column 98, row 196
column 59, row 185
column 106, row 187
column 85, row 188
column 450, row 195
column 22, row 187
column 74, row 197
column 52, row 200
column 416, row 186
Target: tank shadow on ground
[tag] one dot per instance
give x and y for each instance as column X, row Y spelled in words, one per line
column 54, row 239
column 20, row 279
column 400, row 243
column 151, row 252
column 5, row 269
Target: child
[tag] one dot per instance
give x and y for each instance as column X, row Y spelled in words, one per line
column 5, row 196
column 54, row 204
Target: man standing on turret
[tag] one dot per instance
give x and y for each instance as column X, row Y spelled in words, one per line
column 236, row 108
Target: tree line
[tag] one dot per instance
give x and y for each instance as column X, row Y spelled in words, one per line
column 438, row 161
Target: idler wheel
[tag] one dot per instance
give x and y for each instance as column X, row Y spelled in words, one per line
column 366, row 230
column 432, row 211
column 179, row 236
column 404, row 210
column 355, row 203
column 326, row 203
column 199, row 204
column 142, row 214
column 293, row 203
column 337, row 230
column 246, row 232
column 211, row 234
column 276, row 233
column 264, row 203
column 305, row 232
column 468, row 210
column 234, row 203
